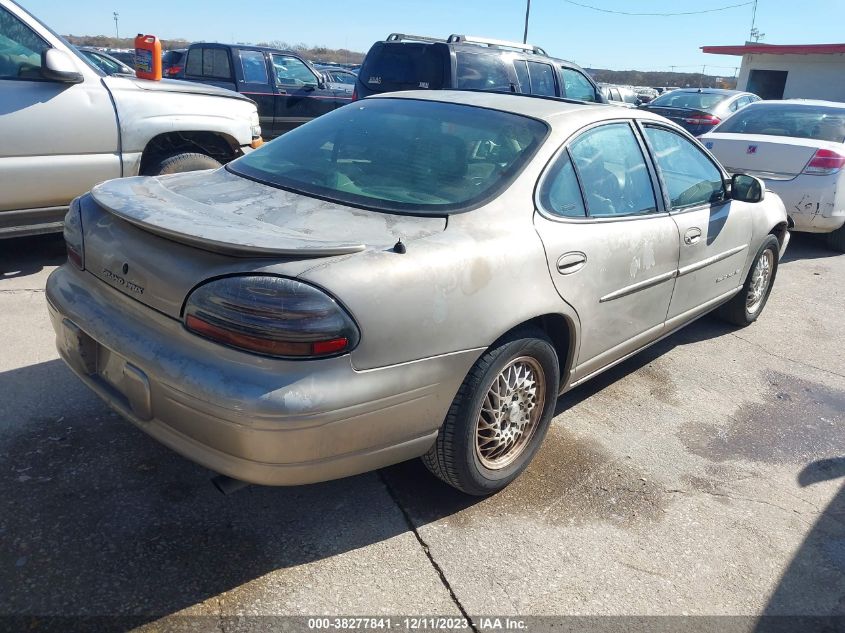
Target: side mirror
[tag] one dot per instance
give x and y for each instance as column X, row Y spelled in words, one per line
column 747, row 188
column 58, row 66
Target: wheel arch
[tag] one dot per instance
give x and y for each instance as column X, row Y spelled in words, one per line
column 218, row 145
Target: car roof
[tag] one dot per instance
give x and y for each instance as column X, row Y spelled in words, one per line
column 246, row 47
column 712, row 91
column 809, row 102
column 544, row 108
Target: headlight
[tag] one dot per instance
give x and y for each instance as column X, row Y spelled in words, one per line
column 275, row 316
column 255, row 125
column 73, row 235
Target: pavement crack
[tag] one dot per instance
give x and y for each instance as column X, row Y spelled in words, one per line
column 21, row 291
column 741, row 498
column 786, row 358
column 427, row 551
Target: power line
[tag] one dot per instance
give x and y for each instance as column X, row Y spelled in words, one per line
column 731, row 6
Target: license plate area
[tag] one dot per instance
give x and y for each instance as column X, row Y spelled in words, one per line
column 125, row 385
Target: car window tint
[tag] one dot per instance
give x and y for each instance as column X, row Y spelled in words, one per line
column 797, row 120
column 405, row 65
column 343, row 78
column 689, row 175
column 560, row 193
column 613, row 172
column 542, row 79
column 20, row 49
column 521, row 68
column 481, row 72
column 400, row 155
column 215, row 63
column 292, row 71
column 254, row 67
column 193, row 65
column 733, row 106
column 577, row 86
column 691, row 100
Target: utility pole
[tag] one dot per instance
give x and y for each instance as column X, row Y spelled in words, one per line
column 701, row 81
column 753, row 20
column 116, row 31
column 527, row 11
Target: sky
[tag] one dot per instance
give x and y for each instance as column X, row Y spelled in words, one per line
column 590, row 38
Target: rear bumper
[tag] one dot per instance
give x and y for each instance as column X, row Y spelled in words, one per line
column 812, row 202
column 31, row 222
column 256, row 419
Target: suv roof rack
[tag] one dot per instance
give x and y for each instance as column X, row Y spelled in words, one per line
column 399, row 37
column 487, row 41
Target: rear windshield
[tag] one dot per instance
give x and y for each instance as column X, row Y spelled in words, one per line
column 691, row 100
column 797, row 121
column 404, row 65
column 400, row 155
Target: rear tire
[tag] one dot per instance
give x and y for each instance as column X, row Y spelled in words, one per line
column 183, row 161
column 744, row 308
column 499, row 416
column 836, row 239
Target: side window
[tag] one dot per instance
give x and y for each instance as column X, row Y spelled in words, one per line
column 560, row 193
column 254, row 68
column 215, row 63
column 613, row 172
column 577, row 86
column 690, row 176
column 292, row 71
column 481, row 72
column 542, row 79
column 193, row 66
column 521, row 68
column 20, row 49
column 615, row 94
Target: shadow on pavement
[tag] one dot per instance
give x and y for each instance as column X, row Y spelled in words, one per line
column 804, row 246
column 24, row 256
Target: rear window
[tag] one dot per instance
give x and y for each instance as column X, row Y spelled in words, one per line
column 797, row 121
column 691, row 100
column 403, row 66
column 400, row 155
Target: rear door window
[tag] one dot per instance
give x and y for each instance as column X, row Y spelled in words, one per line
column 521, row 68
column 254, row 67
column 577, row 86
column 560, row 193
column 481, row 72
column 208, row 62
column 542, row 79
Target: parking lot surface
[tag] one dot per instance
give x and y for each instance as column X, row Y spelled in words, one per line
column 703, row 476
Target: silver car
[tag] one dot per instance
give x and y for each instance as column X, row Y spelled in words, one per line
column 418, row 274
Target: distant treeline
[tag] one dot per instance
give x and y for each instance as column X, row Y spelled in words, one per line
column 681, row 80
column 316, row 53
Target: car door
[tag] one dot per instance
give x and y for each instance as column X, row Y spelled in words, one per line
column 254, row 81
column 300, row 94
column 57, row 140
column 715, row 232
column 611, row 247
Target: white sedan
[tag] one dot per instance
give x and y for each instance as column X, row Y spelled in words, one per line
column 798, row 148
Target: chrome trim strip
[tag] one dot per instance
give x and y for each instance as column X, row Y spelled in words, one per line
column 710, row 260
column 640, row 285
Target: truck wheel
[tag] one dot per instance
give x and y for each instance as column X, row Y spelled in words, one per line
column 836, row 239
column 184, row 161
column 744, row 308
column 499, row 416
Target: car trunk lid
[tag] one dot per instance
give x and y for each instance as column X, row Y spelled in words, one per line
column 155, row 239
column 770, row 157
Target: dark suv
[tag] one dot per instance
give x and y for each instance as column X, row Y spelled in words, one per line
column 286, row 88
column 412, row 62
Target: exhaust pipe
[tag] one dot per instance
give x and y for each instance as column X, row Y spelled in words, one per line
column 227, row 485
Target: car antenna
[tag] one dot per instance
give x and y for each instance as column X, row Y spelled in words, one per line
column 399, row 247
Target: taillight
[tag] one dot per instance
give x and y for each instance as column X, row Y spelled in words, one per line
column 270, row 315
column 73, row 235
column 825, row 162
column 703, row 119
column 173, row 71
column 355, row 93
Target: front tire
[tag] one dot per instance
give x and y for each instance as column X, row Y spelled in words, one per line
column 178, row 163
column 744, row 308
column 499, row 416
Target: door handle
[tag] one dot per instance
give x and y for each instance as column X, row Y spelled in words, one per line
column 692, row 236
column 569, row 263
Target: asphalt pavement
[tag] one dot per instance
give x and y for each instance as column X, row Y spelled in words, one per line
column 702, row 477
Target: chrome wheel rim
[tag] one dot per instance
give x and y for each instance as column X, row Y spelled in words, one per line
column 510, row 413
column 760, row 277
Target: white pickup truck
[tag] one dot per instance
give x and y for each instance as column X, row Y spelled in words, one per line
column 66, row 126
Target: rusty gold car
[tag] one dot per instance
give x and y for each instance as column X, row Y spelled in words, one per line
column 418, row 274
